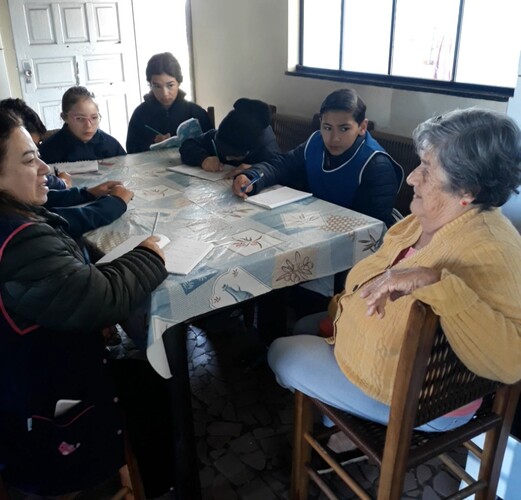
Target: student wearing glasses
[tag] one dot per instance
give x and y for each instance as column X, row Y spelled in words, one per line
column 80, row 138
column 164, row 107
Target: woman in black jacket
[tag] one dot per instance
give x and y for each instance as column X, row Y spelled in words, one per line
column 60, row 428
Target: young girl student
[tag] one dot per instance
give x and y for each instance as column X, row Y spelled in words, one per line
column 80, row 138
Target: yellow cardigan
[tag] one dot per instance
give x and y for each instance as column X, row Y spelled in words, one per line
column 478, row 300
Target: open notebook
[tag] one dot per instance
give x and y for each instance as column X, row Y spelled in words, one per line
column 181, row 254
column 277, row 197
column 186, row 130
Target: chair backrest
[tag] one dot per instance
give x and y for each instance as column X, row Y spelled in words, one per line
column 210, row 110
column 403, row 151
column 431, row 373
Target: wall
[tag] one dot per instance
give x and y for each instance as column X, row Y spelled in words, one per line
column 9, row 54
column 241, row 49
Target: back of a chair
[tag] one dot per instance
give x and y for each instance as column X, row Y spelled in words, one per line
column 210, row 110
column 435, row 380
column 448, row 383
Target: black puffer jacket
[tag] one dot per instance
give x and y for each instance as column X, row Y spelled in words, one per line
column 59, row 422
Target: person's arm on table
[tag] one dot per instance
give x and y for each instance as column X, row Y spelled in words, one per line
column 54, row 288
column 287, row 169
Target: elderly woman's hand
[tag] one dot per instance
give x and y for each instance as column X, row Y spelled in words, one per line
column 396, row 283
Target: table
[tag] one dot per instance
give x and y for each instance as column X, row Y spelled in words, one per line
column 256, row 250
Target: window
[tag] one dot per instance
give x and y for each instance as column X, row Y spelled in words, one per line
column 459, row 47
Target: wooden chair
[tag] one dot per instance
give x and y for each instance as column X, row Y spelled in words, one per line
column 430, row 382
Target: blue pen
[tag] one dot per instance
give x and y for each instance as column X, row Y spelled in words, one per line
column 253, row 181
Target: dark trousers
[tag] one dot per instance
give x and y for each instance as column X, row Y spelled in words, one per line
column 146, row 405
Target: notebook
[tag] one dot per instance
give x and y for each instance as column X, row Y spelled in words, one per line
column 277, row 197
column 77, row 167
column 186, row 130
column 181, row 254
column 199, row 172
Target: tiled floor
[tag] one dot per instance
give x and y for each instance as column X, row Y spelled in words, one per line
column 243, row 423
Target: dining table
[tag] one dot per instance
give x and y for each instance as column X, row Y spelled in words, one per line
column 252, row 251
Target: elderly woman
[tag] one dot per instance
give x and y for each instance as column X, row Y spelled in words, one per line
column 456, row 252
column 60, row 429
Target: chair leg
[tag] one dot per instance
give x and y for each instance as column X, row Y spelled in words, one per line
column 3, row 490
column 303, row 423
column 136, row 484
column 495, row 444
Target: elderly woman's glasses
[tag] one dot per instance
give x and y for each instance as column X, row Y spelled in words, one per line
column 83, row 120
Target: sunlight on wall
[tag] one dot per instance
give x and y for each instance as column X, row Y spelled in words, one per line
column 161, row 27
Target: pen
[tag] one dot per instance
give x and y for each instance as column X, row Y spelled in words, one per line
column 155, row 223
column 215, row 149
column 253, row 181
column 153, row 130
column 56, row 171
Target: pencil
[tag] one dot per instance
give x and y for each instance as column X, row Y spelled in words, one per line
column 155, row 223
column 153, row 130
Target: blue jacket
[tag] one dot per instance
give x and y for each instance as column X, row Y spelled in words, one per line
column 94, row 212
column 54, row 305
column 364, row 178
column 64, row 146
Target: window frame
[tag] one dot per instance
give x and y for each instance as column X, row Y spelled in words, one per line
column 468, row 90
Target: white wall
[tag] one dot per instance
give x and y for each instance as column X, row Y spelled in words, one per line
column 8, row 49
column 241, row 49
column 5, row 88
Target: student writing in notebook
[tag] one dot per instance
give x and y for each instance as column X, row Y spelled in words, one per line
column 80, row 138
column 164, row 107
column 244, row 137
column 341, row 163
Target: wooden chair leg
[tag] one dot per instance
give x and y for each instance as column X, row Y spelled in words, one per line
column 495, row 444
column 3, row 490
column 303, row 423
column 134, row 477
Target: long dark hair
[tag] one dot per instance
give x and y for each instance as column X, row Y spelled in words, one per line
column 8, row 203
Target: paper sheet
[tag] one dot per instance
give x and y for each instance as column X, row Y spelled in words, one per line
column 277, row 197
column 183, row 254
column 77, row 167
column 202, row 174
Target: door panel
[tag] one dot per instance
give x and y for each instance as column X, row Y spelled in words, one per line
column 77, row 42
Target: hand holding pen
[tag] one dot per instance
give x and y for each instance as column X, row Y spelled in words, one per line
column 242, row 185
column 159, row 136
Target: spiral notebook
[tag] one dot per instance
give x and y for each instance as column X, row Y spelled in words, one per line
column 277, row 197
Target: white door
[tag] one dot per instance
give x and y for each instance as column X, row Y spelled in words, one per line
column 77, row 42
